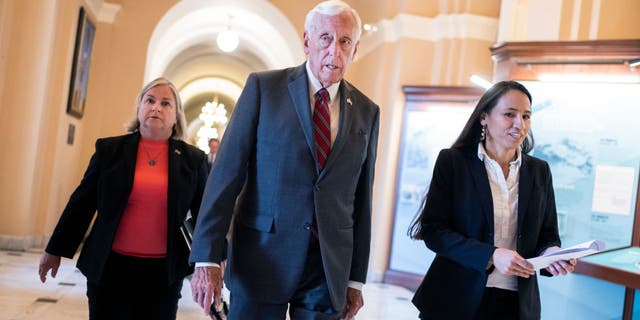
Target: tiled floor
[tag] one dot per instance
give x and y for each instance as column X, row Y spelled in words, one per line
column 23, row 297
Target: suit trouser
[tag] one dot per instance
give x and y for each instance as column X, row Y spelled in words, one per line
column 311, row 300
column 498, row 304
column 133, row 288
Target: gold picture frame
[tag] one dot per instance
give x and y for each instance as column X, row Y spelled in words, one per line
column 80, row 69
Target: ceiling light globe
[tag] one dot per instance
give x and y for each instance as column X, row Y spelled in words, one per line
column 227, row 40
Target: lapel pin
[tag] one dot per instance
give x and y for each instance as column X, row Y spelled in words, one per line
column 349, row 101
column 178, row 152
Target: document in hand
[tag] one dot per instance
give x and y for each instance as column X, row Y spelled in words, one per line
column 575, row 252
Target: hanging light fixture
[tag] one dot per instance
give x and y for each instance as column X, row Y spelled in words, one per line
column 228, row 40
column 213, row 116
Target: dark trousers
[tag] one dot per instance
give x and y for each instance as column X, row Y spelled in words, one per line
column 311, row 300
column 499, row 304
column 133, row 288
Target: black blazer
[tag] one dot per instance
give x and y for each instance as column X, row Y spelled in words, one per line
column 106, row 186
column 458, row 227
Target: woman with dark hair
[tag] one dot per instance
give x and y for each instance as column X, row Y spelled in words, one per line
column 141, row 185
column 489, row 207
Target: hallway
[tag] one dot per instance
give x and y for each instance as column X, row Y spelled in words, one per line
column 23, row 297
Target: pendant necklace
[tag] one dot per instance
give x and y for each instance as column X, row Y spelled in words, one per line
column 152, row 160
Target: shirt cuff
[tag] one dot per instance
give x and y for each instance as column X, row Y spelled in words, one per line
column 356, row 285
column 207, row 264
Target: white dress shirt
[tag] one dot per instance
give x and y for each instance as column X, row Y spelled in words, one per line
column 334, row 101
column 504, row 193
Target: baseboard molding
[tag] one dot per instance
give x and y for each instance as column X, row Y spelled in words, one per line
column 22, row 243
column 404, row 279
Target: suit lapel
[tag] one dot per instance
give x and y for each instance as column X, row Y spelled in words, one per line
column 175, row 171
column 299, row 92
column 346, row 116
column 125, row 167
column 481, row 181
column 130, row 154
column 525, row 185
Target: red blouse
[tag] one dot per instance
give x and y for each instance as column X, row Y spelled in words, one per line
column 142, row 231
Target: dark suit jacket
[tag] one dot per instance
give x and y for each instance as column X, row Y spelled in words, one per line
column 266, row 172
column 458, row 227
column 106, row 186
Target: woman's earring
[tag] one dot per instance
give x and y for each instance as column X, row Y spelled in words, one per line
column 483, row 134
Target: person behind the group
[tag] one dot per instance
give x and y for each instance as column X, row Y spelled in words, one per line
column 213, row 151
column 298, row 180
column 489, row 207
column 142, row 185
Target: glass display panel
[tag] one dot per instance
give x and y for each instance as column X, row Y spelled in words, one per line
column 588, row 133
column 428, row 128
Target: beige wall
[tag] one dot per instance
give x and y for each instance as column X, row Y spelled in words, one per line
column 31, row 100
column 117, row 73
column 528, row 20
column 619, row 21
column 39, row 170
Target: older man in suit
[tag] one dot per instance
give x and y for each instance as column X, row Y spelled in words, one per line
column 296, row 170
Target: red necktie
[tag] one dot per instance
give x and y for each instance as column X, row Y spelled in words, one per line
column 322, row 136
column 322, row 126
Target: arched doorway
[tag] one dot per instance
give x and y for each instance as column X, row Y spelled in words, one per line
column 183, row 49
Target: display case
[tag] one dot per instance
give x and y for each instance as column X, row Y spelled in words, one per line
column 621, row 266
column 586, row 101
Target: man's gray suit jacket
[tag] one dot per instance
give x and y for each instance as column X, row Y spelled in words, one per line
column 266, row 175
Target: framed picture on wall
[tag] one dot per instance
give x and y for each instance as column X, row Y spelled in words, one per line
column 80, row 69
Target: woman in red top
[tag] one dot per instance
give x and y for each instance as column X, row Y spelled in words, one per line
column 142, row 185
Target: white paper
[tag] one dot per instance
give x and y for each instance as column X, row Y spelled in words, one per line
column 613, row 190
column 575, row 252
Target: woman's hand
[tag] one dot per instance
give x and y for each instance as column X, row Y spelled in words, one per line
column 48, row 262
column 510, row 262
column 561, row 267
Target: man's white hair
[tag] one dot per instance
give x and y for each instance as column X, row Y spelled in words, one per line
column 333, row 8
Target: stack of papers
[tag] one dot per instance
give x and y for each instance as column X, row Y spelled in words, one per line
column 575, row 252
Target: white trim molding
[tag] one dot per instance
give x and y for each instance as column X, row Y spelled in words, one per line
column 105, row 12
column 452, row 26
column 595, row 20
column 22, row 243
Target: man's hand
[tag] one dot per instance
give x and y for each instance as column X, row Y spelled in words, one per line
column 510, row 262
column 561, row 267
column 206, row 285
column 48, row 262
column 354, row 303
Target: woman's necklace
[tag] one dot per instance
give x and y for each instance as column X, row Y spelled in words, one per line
column 152, row 160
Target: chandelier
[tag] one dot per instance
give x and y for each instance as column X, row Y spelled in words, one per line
column 213, row 117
